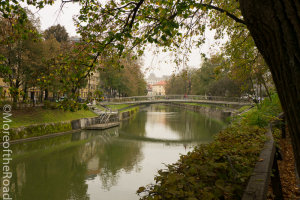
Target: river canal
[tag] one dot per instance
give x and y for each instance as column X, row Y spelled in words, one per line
column 110, row 164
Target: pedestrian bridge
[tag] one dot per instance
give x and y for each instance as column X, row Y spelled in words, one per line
column 178, row 99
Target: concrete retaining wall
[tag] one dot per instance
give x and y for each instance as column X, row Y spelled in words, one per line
column 82, row 123
column 25, row 133
column 211, row 111
column 257, row 187
column 128, row 114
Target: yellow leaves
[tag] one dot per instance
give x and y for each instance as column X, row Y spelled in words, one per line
column 141, row 189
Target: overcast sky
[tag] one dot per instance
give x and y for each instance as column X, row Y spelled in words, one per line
column 161, row 64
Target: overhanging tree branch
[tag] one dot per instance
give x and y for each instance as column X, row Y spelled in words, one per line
column 235, row 18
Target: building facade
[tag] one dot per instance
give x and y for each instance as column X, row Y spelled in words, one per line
column 159, row 88
column 89, row 91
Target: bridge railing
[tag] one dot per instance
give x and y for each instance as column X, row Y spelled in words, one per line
column 177, row 97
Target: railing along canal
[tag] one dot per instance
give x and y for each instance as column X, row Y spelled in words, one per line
column 178, row 97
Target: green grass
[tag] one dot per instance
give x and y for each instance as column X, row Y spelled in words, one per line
column 31, row 116
column 197, row 104
column 115, row 107
column 265, row 112
column 243, row 108
column 119, row 106
column 130, row 109
column 204, row 105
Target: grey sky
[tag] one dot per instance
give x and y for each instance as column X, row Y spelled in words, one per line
column 160, row 64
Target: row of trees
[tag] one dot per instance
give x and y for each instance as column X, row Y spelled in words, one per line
column 51, row 62
column 124, row 80
column 204, row 81
column 215, row 78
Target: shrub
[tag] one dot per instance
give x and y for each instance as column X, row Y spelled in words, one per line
column 71, row 105
column 50, row 105
column 84, row 106
column 267, row 111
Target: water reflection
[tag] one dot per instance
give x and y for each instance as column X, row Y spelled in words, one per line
column 170, row 123
column 103, row 164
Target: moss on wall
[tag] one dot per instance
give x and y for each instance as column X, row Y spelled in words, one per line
column 39, row 130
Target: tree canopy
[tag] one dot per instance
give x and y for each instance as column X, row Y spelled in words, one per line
column 58, row 32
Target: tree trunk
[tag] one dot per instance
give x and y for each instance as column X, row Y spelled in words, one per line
column 25, row 93
column 275, row 28
column 46, row 94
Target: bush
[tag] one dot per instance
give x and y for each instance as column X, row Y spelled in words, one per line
column 71, row 105
column 266, row 111
column 84, row 106
column 50, row 105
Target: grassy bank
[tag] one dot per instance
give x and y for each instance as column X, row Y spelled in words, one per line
column 204, row 105
column 39, row 115
column 114, row 107
column 221, row 169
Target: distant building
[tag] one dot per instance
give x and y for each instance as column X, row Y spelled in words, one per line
column 152, row 79
column 4, row 89
column 149, row 90
column 156, row 85
column 91, row 87
column 74, row 39
column 159, row 88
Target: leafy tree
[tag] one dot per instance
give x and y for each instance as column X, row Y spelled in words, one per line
column 51, row 51
column 20, row 53
column 181, row 83
column 69, row 70
column 122, row 76
column 203, row 78
column 204, row 81
column 58, row 32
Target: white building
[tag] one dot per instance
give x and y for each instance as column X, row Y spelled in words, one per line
column 159, row 88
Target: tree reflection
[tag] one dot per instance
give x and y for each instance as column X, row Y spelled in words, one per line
column 61, row 173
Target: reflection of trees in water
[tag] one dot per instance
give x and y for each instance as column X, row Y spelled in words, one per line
column 61, row 174
column 117, row 157
column 187, row 124
column 108, row 179
column 194, row 125
column 57, row 176
column 40, row 145
column 136, row 125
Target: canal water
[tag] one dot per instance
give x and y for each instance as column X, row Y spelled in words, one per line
column 110, row 164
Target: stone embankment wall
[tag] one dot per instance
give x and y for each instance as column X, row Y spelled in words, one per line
column 212, row 111
column 128, row 114
column 48, row 129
